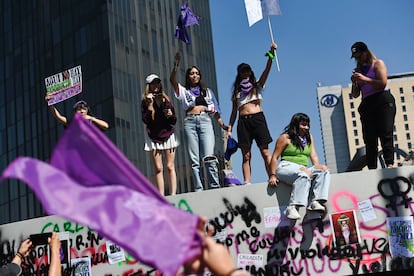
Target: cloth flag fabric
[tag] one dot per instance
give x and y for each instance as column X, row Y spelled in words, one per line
column 256, row 9
column 108, row 194
column 231, row 148
column 186, row 19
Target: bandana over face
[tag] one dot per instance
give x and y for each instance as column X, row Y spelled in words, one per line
column 246, row 86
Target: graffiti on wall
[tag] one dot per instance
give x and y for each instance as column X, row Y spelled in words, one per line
column 304, row 247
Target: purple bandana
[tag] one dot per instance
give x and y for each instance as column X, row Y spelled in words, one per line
column 195, row 91
column 246, row 86
column 303, row 141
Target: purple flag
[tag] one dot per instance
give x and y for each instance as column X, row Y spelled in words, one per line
column 186, row 19
column 114, row 203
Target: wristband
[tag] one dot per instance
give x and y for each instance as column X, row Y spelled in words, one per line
column 270, row 55
column 20, row 255
column 273, row 174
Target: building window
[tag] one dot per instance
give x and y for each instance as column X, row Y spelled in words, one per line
column 402, row 99
column 412, row 88
column 404, row 109
column 354, row 124
column 409, row 145
column 353, row 114
column 351, row 104
column 356, row 142
column 406, row 127
column 401, row 90
column 355, row 132
column 395, row 137
column 405, row 117
column 408, row 136
column 350, row 95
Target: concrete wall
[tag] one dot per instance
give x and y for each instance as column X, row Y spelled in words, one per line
column 248, row 221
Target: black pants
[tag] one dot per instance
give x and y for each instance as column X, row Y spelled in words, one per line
column 377, row 114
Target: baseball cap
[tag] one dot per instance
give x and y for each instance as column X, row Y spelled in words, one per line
column 80, row 104
column 151, row 78
column 358, row 48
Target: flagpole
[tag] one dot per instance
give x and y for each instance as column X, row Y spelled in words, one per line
column 271, row 35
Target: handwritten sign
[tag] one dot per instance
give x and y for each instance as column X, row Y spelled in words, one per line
column 63, row 85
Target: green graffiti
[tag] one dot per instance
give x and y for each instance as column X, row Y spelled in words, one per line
column 183, row 205
column 68, row 226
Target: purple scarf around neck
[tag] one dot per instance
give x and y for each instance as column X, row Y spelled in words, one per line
column 195, row 91
column 303, row 141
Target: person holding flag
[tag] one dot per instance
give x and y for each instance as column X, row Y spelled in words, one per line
column 246, row 100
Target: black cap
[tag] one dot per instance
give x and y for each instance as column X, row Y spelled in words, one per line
column 358, row 48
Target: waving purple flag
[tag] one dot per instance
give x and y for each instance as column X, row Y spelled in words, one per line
column 109, row 195
column 186, row 19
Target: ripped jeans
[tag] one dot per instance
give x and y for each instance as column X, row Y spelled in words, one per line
column 199, row 132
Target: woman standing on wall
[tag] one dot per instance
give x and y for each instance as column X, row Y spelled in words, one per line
column 247, row 98
column 377, row 109
column 158, row 114
column 200, row 105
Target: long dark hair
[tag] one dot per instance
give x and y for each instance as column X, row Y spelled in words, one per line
column 292, row 129
column 203, row 87
column 236, row 84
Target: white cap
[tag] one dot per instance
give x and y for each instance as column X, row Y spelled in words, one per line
column 151, row 78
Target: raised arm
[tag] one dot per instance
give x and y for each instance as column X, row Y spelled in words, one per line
column 173, row 80
column 265, row 74
column 59, row 117
column 55, row 265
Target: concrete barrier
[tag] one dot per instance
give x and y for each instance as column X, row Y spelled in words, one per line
column 249, row 220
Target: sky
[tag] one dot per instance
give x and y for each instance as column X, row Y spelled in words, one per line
column 314, row 40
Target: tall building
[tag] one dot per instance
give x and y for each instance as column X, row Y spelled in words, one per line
column 117, row 44
column 341, row 125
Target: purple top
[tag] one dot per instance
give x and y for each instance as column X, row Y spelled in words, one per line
column 368, row 89
column 160, row 128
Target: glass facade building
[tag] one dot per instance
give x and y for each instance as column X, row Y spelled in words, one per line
column 117, row 43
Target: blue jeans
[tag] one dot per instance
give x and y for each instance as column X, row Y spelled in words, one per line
column 199, row 131
column 290, row 173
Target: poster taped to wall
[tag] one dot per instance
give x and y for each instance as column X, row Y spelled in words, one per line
column 345, row 228
column 63, row 85
column 400, row 235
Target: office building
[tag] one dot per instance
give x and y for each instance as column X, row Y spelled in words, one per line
column 117, row 44
column 341, row 125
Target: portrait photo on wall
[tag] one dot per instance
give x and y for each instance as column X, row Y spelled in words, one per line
column 345, row 228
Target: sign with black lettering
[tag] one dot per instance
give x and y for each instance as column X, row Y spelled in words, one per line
column 63, row 85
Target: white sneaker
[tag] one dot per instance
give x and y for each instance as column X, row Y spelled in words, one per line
column 291, row 212
column 316, row 206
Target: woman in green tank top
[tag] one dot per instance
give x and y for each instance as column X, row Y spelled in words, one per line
column 310, row 185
